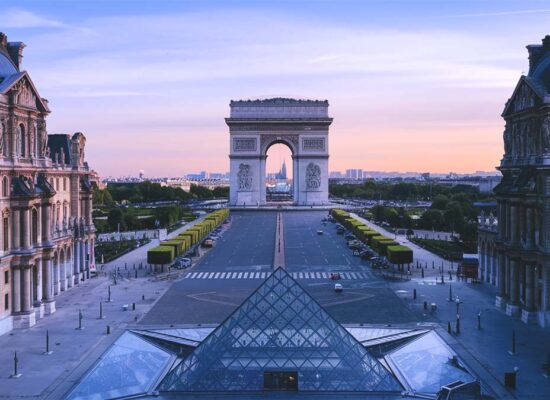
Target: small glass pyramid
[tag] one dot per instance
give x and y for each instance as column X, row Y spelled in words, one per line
column 280, row 328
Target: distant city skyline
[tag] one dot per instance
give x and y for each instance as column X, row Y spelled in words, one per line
column 149, row 83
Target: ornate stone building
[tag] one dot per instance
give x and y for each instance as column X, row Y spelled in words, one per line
column 516, row 250
column 46, row 229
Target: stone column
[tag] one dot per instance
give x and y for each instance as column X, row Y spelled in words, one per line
column 500, row 298
column 529, row 287
column 545, row 320
column 25, row 226
column 82, row 259
column 46, row 222
column 56, row 277
column 26, row 290
column 62, row 275
column 529, row 227
column 16, row 287
column 47, row 287
column 70, row 276
column 76, row 260
column 16, row 223
column 38, row 284
column 513, row 224
column 512, row 308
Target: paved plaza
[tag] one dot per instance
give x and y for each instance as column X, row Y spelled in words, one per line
column 226, row 275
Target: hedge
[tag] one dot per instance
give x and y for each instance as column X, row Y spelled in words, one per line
column 161, row 255
column 399, row 254
column 185, row 240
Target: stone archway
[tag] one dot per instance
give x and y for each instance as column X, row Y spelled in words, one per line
column 254, row 126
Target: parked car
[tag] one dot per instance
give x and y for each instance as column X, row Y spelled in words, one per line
column 340, row 231
column 350, row 236
column 182, row 263
column 208, row 243
column 320, row 232
column 338, row 287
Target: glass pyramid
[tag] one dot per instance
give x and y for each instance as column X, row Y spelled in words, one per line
column 280, row 328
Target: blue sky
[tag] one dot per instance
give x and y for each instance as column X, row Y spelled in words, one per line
column 413, row 85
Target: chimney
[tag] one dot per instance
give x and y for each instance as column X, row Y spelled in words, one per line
column 3, row 41
column 15, row 50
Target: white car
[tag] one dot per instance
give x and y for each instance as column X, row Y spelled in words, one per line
column 338, row 287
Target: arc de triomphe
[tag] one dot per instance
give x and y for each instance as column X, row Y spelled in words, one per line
column 255, row 125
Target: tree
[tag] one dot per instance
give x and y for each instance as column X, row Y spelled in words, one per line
column 115, row 218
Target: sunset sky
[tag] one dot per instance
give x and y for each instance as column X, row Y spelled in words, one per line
column 412, row 85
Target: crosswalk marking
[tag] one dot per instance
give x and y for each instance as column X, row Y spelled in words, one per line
column 264, row 275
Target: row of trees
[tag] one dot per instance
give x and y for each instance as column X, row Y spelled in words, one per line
column 131, row 218
column 376, row 190
column 145, row 192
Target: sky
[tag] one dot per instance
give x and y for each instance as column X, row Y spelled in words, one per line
column 412, row 85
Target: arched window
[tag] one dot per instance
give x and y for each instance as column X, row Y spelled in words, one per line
column 5, row 187
column 34, row 227
column 4, row 140
column 6, row 232
column 22, row 140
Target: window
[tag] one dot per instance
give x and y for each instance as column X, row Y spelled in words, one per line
column 5, row 186
column 56, row 183
column 6, row 302
column 6, row 238
column 22, row 140
column 64, row 183
column 6, row 277
column 34, row 227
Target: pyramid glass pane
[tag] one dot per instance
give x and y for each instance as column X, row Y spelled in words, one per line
column 130, row 367
column 427, row 363
column 268, row 333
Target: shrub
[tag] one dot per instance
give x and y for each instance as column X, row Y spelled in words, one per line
column 399, row 254
column 161, row 255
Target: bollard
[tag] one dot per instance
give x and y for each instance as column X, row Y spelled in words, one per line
column 442, row 279
column 48, row 351
column 479, row 320
column 425, row 305
column 422, row 272
column 115, row 278
column 80, row 320
column 142, row 297
column 133, row 306
column 513, row 351
column 16, row 373
column 414, row 294
column 457, row 324
column 433, row 264
column 136, row 273
column 101, row 309
column 108, row 329
column 109, row 292
column 449, row 327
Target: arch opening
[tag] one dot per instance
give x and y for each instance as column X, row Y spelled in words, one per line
column 279, row 170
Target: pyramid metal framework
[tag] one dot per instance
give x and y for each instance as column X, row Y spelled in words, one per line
column 280, row 328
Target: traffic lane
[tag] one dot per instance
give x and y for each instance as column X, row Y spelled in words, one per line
column 305, row 248
column 196, row 301
column 249, row 242
column 213, row 300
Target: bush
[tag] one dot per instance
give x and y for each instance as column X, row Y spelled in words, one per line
column 399, row 254
column 160, row 255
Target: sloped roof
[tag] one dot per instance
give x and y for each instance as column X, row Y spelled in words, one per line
column 280, row 327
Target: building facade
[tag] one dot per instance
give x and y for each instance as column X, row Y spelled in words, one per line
column 517, row 247
column 46, row 228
